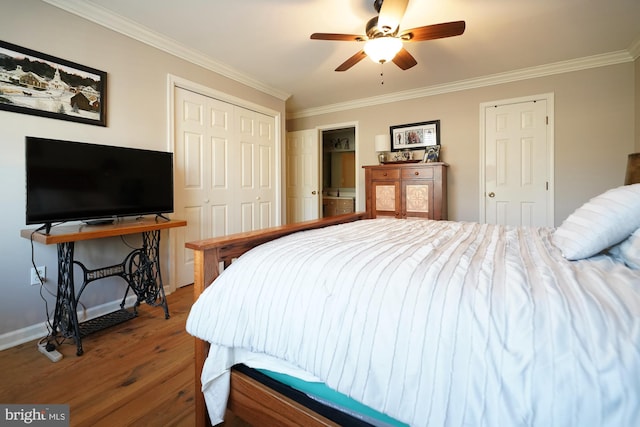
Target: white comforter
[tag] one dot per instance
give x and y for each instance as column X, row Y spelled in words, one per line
column 435, row 323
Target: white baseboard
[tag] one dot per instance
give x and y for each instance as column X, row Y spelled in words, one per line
column 33, row 332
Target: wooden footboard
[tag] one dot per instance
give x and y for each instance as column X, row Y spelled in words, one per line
column 249, row 399
column 260, row 405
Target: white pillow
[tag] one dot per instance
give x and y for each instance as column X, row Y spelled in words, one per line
column 603, row 221
column 629, row 250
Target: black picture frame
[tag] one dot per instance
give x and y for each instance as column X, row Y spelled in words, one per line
column 414, row 136
column 35, row 83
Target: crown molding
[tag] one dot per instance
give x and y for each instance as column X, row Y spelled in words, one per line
column 131, row 29
column 491, row 80
column 634, row 49
column 108, row 19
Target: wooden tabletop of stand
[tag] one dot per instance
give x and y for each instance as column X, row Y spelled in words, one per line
column 81, row 231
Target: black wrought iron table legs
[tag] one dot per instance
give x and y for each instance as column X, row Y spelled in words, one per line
column 140, row 269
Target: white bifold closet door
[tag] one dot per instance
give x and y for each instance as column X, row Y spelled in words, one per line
column 225, row 166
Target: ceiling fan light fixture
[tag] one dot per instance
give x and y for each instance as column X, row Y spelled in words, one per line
column 382, row 49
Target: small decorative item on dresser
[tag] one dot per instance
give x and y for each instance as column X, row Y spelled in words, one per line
column 432, row 154
column 381, row 144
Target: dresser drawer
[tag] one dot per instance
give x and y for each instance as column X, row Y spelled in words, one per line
column 378, row 174
column 417, row 173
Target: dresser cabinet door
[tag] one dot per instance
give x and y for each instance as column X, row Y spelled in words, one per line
column 386, row 198
column 417, row 192
column 417, row 199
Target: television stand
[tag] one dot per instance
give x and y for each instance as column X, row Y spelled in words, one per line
column 140, row 269
column 104, row 221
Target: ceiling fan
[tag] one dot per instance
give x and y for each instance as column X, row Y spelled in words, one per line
column 383, row 40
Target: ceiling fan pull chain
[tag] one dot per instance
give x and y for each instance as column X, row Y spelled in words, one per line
column 382, row 73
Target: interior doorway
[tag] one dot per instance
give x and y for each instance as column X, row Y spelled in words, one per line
column 338, row 170
column 322, row 176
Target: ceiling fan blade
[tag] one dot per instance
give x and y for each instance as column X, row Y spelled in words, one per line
column 338, row 37
column 391, row 13
column 431, row 32
column 352, row 61
column 404, row 59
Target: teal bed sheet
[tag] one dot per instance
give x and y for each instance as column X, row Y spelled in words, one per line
column 321, row 392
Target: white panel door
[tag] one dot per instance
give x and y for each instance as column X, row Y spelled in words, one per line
column 225, row 170
column 256, row 149
column 204, row 128
column 303, row 180
column 517, row 167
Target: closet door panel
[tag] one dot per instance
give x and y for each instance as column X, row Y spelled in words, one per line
column 224, row 172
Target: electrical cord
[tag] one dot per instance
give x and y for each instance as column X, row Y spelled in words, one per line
column 49, row 325
column 127, row 244
column 40, row 279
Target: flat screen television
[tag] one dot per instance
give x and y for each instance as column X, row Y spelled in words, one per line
column 69, row 181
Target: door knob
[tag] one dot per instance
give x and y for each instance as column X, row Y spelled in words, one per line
column 314, row 192
column 492, row 194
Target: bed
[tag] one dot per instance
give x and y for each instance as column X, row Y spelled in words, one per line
column 429, row 322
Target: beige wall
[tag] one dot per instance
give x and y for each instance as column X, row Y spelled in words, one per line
column 594, row 132
column 136, row 116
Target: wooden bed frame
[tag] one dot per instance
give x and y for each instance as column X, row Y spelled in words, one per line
column 249, row 399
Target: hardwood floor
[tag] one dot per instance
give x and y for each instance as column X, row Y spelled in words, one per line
column 140, row 372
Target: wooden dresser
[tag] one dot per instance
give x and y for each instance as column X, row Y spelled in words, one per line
column 407, row 190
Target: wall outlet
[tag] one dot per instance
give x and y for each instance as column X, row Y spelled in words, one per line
column 42, row 271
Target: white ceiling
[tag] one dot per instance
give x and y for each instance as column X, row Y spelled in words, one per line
column 265, row 43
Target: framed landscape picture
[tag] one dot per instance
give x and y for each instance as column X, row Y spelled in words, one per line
column 39, row 84
column 415, row 135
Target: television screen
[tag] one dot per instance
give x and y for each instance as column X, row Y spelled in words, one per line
column 79, row 181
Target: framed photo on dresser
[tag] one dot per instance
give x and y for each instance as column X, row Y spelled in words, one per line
column 432, row 154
